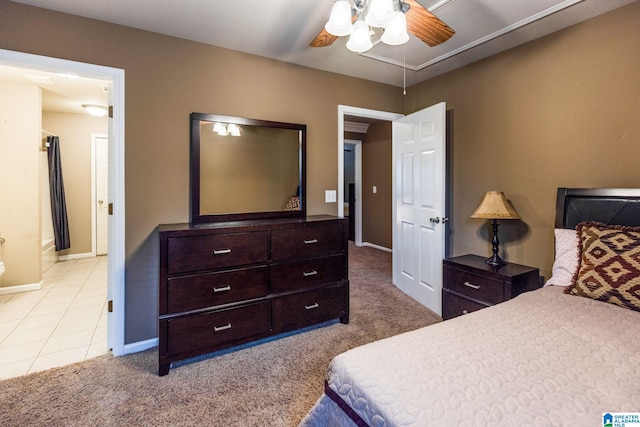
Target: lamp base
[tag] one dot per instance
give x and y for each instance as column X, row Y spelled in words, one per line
column 495, row 261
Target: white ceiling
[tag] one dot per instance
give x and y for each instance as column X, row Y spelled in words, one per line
column 283, row 29
column 60, row 93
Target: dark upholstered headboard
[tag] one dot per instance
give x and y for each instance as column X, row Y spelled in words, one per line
column 615, row 206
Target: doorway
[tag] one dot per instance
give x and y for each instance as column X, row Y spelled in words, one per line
column 435, row 262
column 116, row 246
column 346, row 116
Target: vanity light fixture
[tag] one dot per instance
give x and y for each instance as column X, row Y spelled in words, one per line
column 224, row 129
column 95, row 110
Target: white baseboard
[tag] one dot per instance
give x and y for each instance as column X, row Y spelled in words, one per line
column 371, row 245
column 140, row 346
column 21, row 288
column 75, row 256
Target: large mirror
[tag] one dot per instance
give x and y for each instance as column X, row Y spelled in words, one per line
column 246, row 169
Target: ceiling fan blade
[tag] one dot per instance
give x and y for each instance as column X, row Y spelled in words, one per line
column 426, row 26
column 324, row 38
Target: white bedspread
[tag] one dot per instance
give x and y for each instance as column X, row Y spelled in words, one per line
column 543, row 358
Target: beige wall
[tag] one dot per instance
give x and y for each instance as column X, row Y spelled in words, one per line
column 74, row 131
column 376, row 171
column 561, row 111
column 20, row 122
column 168, row 78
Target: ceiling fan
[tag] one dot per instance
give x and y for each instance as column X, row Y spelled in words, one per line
column 404, row 15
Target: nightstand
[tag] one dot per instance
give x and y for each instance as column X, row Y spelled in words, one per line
column 469, row 284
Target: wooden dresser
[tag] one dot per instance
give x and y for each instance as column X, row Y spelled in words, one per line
column 228, row 283
column 469, row 284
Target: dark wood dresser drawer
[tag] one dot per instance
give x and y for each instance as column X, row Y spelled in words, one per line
column 474, row 286
column 307, row 308
column 186, row 293
column 454, row 305
column 307, row 242
column 307, row 273
column 218, row 329
column 195, row 253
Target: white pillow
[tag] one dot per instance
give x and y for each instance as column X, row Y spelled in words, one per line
column 566, row 259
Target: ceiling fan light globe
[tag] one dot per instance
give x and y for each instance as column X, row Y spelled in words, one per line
column 379, row 13
column 360, row 39
column 339, row 23
column 396, row 32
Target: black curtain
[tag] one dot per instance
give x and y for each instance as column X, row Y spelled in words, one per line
column 56, row 190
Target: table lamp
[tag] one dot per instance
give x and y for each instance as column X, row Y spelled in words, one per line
column 495, row 206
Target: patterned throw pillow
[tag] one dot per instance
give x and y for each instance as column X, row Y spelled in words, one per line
column 293, row 204
column 609, row 267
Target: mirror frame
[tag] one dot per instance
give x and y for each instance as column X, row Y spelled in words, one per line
column 196, row 217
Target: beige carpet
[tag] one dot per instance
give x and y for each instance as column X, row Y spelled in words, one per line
column 271, row 384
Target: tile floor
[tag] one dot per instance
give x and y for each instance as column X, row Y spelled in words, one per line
column 62, row 323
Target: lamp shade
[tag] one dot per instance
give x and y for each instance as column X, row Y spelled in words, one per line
column 360, row 39
column 339, row 23
column 495, row 206
column 379, row 13
column 396, row 32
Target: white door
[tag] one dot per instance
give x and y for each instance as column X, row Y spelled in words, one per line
column 102, row 194
column 419, row 204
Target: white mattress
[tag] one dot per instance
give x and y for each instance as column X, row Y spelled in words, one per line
column 543, row 358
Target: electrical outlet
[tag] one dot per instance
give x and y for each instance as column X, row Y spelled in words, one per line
column 330, row 196
column 375, row 189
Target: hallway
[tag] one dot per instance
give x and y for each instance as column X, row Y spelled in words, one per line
column 62, row 323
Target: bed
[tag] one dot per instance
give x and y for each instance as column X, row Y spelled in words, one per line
column 560, row 355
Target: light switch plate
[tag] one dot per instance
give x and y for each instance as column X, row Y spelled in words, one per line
column 330, row 196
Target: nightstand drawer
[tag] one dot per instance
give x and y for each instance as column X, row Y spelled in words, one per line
column 455, row 305
column 474, row 286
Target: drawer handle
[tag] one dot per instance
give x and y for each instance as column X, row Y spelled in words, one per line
column 310, row 242
column 471, row 285
column 223, row 289
column 221, row 251
column 311, row 307
column 221, row 328
column 309, row 273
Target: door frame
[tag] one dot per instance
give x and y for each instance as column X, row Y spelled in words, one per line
column 357, row 112
column 116, row 258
